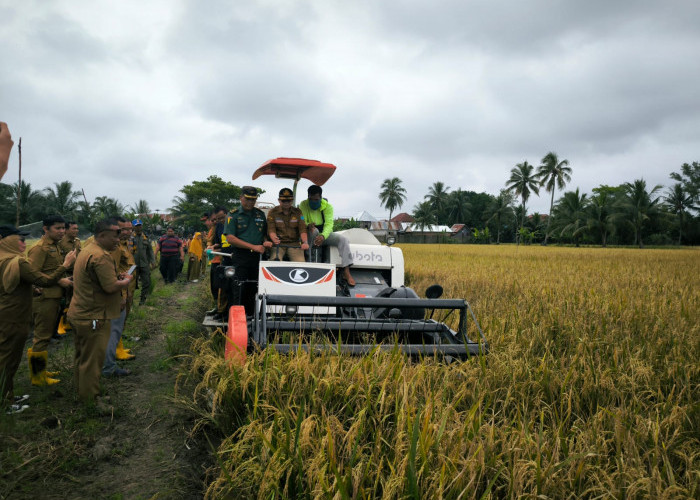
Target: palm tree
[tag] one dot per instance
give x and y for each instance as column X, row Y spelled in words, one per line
column 570, row 214
column 522, row 182
column 30, row 203
column 437, row 197
column 499, row 208
column 141, row 208
column 600, row 215
column 679, row 202
column 458, row 208
column 106, row 207
column 424, row 215
column 639, row 205
column 392, row 195
column 62, row 199
column 553, row 174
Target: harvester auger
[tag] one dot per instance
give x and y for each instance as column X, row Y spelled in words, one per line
column 308, row 306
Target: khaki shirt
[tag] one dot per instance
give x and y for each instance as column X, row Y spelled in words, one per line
column 288, row 227
column 16, row 307
column 94, row 269
column 124, row 259
column 68, row 245
column 45, row 257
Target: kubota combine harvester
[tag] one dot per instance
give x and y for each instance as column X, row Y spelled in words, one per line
column 308, row 306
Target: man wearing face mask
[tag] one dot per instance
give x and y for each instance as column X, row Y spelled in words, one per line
column 318, row 214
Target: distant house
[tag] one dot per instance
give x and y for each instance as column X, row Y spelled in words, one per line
column 403, row 217
column 365, row 219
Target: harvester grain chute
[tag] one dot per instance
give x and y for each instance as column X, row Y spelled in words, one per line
column 308, row 306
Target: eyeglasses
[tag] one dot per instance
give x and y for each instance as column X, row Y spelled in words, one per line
column 285, row 201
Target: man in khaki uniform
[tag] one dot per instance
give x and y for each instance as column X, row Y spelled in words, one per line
column 45, row 257
column 68, row 243
column 124, row 258
column 286, row 227
column 96, row 302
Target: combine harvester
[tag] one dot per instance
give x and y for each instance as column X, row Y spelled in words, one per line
column 299, row 303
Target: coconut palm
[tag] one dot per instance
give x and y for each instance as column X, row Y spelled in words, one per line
column 553, row 174
column 61, row 199
column 437, row 198
column 499, row 209
column 104, row 206
column 601, row 216
column 424, row 215
column 392, row 195
column 458, row 207
column 141, row 208
column 30, row 204
column 571, row 216
column 639, row 206
column 679, row 202
column 522, row 182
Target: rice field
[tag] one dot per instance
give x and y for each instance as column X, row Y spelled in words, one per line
column 591, row 389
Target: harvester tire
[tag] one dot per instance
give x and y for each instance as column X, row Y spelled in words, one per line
column 236, row 336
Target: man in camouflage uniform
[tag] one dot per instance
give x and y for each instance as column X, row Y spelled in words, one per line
column 45, row 257
column 144, row 258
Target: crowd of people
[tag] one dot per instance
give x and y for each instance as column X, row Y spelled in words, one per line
column 62, row 283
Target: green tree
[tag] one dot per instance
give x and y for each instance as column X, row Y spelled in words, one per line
column 424, row 215
column 438, row 197
column 600, row 215
column 501, row 207
column 522, row 182
column 570, row 215
column 392, row 195
column 31, row 204
column 689, row 177
column 104, row 206
column 61, row 199
column 458, row 207
column 639, row 206
column 679, row 202
column 202, row 196
column 141, row 208
column 553, row 174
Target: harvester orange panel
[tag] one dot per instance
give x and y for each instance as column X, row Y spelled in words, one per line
column 297, row 168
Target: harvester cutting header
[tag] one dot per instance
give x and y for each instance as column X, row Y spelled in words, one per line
column 311, row 306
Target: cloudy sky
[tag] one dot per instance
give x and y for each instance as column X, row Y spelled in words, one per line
column 134, row 99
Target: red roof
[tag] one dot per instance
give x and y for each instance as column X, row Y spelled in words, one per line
column 297, row 168
column 402, row 217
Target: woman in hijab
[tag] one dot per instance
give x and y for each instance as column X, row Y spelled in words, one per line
column 16, row 280
column 196, row 254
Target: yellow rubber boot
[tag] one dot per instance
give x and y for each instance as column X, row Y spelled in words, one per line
column 37, row 368
column 123, row 354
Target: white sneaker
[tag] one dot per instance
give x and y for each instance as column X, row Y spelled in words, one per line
column 21, row 399
column 12, row 409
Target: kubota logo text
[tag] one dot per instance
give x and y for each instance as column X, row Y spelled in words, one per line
column 371, row 256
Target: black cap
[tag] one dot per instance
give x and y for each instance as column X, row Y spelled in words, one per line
column 9, row 230
column 286, row 194
column 249, row 192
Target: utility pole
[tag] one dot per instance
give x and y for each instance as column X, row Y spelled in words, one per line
column 19, row 181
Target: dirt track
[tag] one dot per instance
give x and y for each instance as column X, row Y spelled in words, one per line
column 60, row 449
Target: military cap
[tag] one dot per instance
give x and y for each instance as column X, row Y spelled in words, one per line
column 9, row 230
column 249, row 192
column 136, row 222
column 286, row 194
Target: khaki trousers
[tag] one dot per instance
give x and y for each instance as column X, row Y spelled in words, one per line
column 46, row 313
column 90, row 348
column 12, row 339
column 295, row 254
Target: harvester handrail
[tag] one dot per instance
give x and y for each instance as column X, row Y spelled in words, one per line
column 281, row 300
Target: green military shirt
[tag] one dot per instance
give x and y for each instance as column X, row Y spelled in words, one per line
column 288, row 227
column 250, row 227
column 45, row 257
column 142, row 250
column 94, row 269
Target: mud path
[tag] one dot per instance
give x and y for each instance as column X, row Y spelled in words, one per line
column 140, row 448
